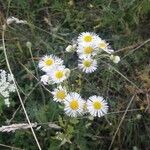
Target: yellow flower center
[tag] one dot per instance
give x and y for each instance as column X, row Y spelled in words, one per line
column 102, row 45
column 49, row 62
column 59, row 74
column 74, row 104
column 97, row 105
column 88, row 50
column 61, row 95
column 87, row 63
column 88, row 38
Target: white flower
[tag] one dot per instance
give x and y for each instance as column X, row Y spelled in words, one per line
column 97, row 106
column 73, row 104
column 71, row 48
column 86, row 38
column 86, row 50
column 59, row 94
column 7, row 102
column 103, row 45
column 115, row 59
column 87, row 64
column 6, row 86
column 15, row 20
column 48, row 62
column 45, row 79
column 58, row 74
column 67, row 72
column 11, row 88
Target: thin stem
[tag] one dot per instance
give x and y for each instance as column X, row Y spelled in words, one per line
column 122, row 119
column 35, row 77
column 37, row 74
column 11, row 147
column 143, row 43
column 14, row 114
column 21, row 101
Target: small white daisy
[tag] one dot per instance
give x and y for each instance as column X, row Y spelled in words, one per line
column 59, row 94
column 47, row 62
column 86, row 38
column 97, row 106
column 87, row 64
column 58, row 74
column 103, row 45
column 74, row 104
column 86, row 50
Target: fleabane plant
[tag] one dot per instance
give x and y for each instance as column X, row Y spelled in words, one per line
column 89, row 48
column 6, row 86
column 55, row 71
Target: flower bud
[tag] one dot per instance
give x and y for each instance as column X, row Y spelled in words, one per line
column 115, row 59
column 70, row 48
column 67, row 72
column 29, row 44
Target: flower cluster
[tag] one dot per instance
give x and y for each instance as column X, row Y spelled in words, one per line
column 75, row 105
column 55, row 71
column 88, row 46
column 6, row 86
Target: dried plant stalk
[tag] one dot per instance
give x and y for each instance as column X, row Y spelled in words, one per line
column 14, row 127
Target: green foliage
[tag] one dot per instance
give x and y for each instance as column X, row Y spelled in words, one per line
column 53, row 24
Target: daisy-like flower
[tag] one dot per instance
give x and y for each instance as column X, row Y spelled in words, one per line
column 86, row 50
column 87, row 64
column 86, row 38
column 48, row 62
column 97, row 106
column 103, row 45
column 46, row 79
column 59, row 94
column 59, row 74
column 74, row 104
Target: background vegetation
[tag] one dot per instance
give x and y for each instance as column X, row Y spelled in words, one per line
column 52, row 25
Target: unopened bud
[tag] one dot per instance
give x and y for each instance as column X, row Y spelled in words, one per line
column 115, row 59
column 29, row 44
column 71, row 48
column 67, row 72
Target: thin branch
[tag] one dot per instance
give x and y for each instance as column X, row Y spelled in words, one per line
column 11, row 147
column 21, row 101
column 37, row 74
column 123, row 117
column 135, row 47
column 130, row 52
column 148, row 102
column 122, row 111
column 14, row 114
column 122, row 75
column 35, row 77
column 125, row 77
